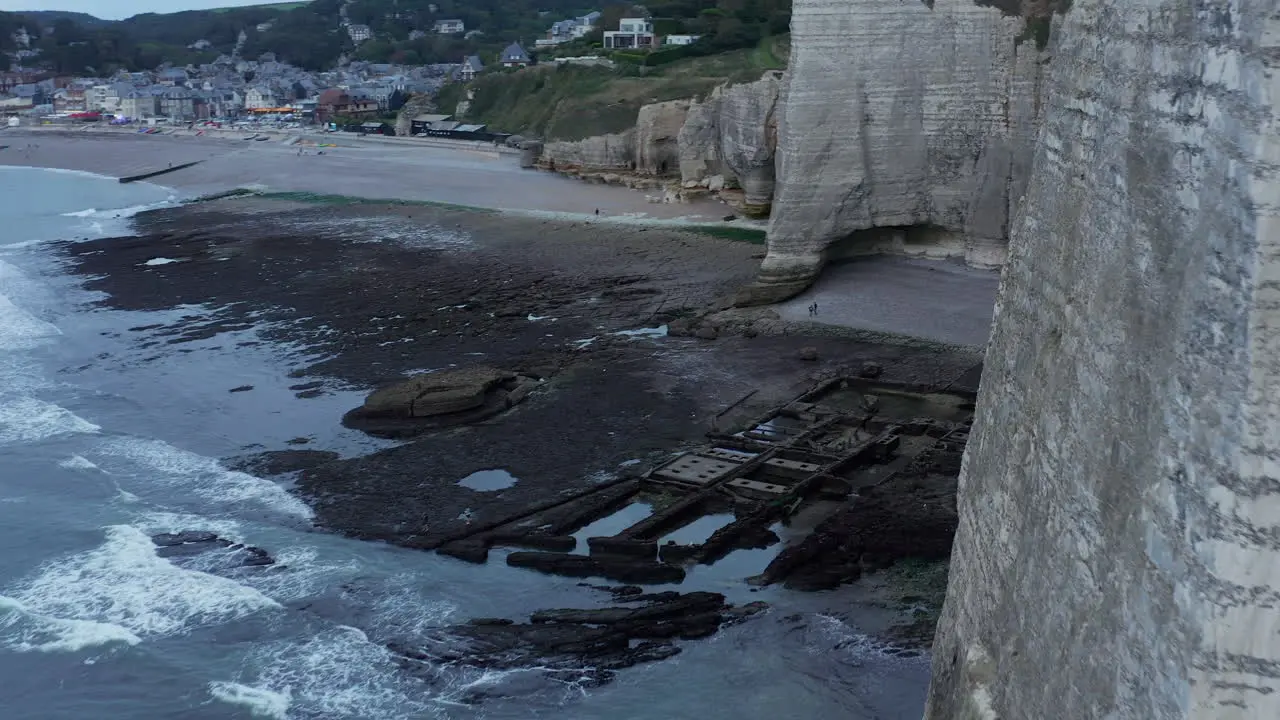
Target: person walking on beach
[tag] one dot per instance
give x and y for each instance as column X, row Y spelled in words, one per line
column 810, row 309
column 815, row 309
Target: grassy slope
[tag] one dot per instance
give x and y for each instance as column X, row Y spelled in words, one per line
column 574, row 102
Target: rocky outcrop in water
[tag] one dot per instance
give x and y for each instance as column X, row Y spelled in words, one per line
column 905, row 126
column 1117, row 549
column 601, row 639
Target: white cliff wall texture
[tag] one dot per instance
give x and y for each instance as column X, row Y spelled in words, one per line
column 896, row 114
column 1118, row 553
column 732, row 132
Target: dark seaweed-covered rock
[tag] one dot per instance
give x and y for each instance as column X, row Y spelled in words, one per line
column 603, row 639
column 623, row 569
column 192, row 543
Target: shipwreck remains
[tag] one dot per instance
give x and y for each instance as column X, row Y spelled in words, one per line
column 831, row 457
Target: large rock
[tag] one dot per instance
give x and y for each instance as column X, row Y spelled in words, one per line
column 657, row 135
column 589, row 643
column 734, row 131
column 899, row 115
column 438, row 399
column 602, row 152
column 413, row 107
column 1118, row 551
column 435, row 393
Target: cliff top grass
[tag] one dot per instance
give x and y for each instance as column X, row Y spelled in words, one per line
column 571, row 102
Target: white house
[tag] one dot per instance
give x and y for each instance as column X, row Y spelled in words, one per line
column 450, row 27
column 359, row 33
column 260, row 97
column 680, row 39
column 471, row 66
column 631, row 33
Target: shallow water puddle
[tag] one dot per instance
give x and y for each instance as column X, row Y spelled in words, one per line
column 660, row 331
column 488, row 480
column 611, row 525
column 699, row 530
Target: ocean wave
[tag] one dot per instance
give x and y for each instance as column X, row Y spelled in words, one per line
column 34, row 632
column 124, row 583
column 339, row 672
column 77, row 462
column 205, row 477
column 20, row 330
column 261, row 703
column 27, row 420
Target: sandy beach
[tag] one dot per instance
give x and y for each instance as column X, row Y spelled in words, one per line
column 400, row 169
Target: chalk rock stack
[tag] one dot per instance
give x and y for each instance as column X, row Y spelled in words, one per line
column 734, row 133
column 899, row 115
column 730, row 135
column 1118, row 553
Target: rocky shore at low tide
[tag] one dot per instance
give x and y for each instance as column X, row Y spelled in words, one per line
column 534, row 349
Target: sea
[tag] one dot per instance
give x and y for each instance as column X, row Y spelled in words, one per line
column 109, row 436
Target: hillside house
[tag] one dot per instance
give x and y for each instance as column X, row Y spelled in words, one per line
column 631, row 33
column 449, row 27
column 471, row 66
column 568, row 30
column 680, row 39
column 359, row 33
column 172, row 76
column 515, row 57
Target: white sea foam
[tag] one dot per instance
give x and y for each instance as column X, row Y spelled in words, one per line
column 261, row 703
column 153, row 262
column 124, row 583
column 77, row 462
column 20, row 330
column 298, row 573
column 339, row 672
column 81, row 213
column 160, row 521
column 26, row 419
column 26, row 631
column 660, row 331
column 206, row 477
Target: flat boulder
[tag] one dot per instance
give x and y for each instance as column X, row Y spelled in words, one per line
column 437, row 393
column 439, row 399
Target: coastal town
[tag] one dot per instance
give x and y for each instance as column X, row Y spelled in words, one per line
column 266, row 89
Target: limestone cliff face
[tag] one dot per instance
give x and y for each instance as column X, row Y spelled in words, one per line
column 913, row 116
column 650, row 148
column 1118, row 553
column 615, row 152
column 732, row 132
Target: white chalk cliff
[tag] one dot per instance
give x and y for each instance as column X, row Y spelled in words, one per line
column 1118, row 553
column 731, row 134
column 902, row 122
